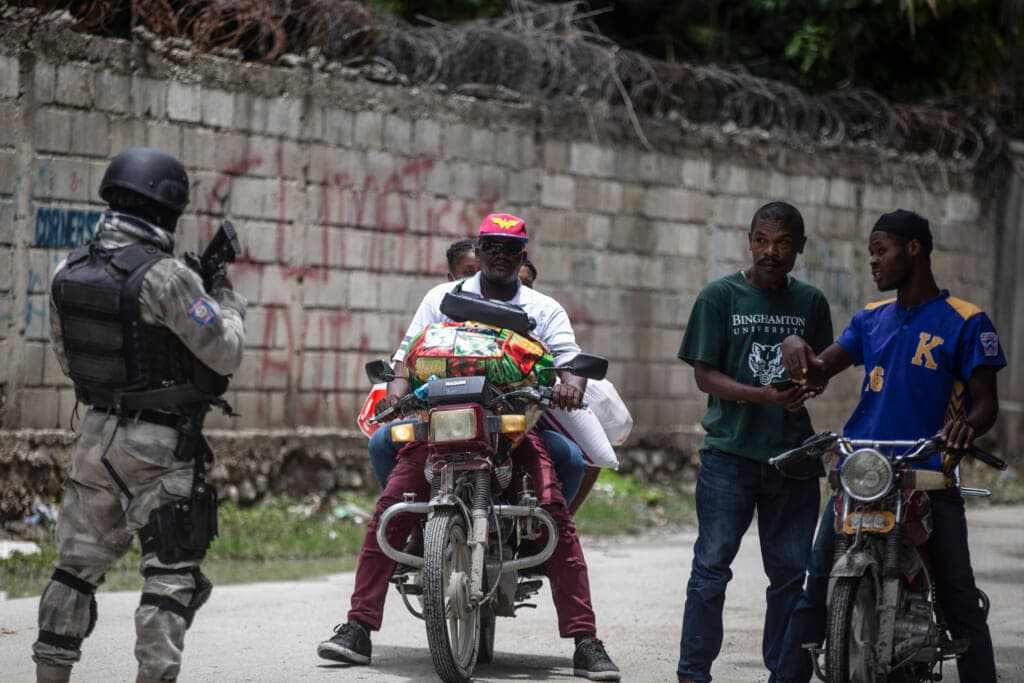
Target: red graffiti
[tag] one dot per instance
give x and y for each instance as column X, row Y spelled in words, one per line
column 301, row 344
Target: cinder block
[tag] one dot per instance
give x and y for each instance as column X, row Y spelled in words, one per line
column 427, row 137
column 52, row 130
column 878, row 198
column 598, row 195
column 734, row 179
column 482, row 144
column 677, row 239
column 33, row 359
column 37, row 316
column 164, row 136
column 216, row 108
column 125, row 133
column 556, row 156
column 962, row 207
column 809, row 190
column 368, row 287
column 184, row 101
column 338, row 126
column 53, row 375
column 368, row 130
column 113, row 92
column 523, row 187
column 633, row 164
column 39, row 409
column 8, row 111
column 63, row 179
column 149, row 97
column 45, row 82
column 397, row 134
column 198, row 148
column 456, row 141
column 283, row 116
column 591, row 160
column 75, row 84
column 312, row 122
column 842, row 193
column 90, row 134
column 558, row 191
column 9, row 69
column 527, row 150
column 243, row 112
column 698, row 174
column 678, row 204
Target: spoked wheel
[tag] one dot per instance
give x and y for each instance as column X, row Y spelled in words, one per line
column 487, row 623
column 852, row 632
column 453, row 625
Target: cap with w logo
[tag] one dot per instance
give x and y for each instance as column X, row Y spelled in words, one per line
column 503, row 225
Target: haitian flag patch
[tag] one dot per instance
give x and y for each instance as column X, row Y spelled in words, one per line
column 202, row 311
column 990, row 343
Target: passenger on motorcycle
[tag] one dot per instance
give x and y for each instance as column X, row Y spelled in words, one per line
column 500, row 248
column 930, row 363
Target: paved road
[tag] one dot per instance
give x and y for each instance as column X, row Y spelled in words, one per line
column 268, row 632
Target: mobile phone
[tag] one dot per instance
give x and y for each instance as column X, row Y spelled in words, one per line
column 782, row 384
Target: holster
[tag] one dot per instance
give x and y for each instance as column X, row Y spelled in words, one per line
column 182, row 530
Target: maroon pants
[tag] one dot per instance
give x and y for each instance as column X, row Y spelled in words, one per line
column 566, row 568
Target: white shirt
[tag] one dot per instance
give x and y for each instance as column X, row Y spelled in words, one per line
column 553, row 326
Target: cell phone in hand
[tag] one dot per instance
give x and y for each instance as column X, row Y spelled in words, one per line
column 782, row 384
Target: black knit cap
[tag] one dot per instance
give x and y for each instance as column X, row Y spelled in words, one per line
column 907, row 226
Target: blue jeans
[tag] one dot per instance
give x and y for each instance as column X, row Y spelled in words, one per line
column 729, row 490
column 566, row 457
column 956, row 591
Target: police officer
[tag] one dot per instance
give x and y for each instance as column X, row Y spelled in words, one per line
column 148, row 347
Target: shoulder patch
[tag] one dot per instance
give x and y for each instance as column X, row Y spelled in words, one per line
column 990, row 344
column 878, row 304
column 202, row 311
column 966, row 309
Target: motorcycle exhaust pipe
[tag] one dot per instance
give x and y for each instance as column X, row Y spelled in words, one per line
column 541, row 515
column 382, row 538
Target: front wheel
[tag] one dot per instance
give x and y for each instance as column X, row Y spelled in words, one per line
column 453, row 623
column 852, row 632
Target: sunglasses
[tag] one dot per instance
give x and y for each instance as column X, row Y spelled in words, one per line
column 512, row 247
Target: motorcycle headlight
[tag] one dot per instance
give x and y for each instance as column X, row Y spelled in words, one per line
column 866, row 475
column 453, row 425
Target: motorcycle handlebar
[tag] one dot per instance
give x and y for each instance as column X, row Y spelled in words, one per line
column 916, row 450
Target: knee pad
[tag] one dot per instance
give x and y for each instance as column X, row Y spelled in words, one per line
column 200, row 593
column 66, row 642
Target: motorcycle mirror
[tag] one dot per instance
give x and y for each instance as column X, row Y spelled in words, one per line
column 587, row 365
column 379, row 371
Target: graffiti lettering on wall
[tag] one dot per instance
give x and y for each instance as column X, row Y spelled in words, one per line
column 57, row 227
column 402, row 221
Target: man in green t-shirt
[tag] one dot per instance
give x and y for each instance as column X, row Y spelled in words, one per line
column 733, row 341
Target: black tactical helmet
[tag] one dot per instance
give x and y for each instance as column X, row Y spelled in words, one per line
column 154, row 174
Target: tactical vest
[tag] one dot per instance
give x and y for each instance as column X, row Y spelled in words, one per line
column 115, row 359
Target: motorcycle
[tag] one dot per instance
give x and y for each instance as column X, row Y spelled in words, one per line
column 884, row 623
column 478, row 530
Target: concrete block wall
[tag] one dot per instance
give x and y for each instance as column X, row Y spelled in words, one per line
column 346, row 194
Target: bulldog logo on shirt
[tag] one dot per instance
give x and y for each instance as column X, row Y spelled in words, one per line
column 766, row 362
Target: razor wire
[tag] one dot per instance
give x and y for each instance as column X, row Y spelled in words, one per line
column 549, row 53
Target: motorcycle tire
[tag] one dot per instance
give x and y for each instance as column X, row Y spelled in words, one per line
column 852, row 632
column 485, row 653
column 453, row 625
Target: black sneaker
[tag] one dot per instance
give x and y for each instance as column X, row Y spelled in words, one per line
column 350, row 644
column 592, row 661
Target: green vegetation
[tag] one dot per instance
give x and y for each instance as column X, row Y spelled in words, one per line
column 281, row 539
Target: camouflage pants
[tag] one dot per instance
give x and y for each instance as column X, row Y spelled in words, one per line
column 94, row 530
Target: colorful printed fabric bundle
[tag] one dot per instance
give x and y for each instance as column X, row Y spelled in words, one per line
column 508, row 359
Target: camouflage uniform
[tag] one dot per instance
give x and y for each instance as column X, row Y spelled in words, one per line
column 97, row 518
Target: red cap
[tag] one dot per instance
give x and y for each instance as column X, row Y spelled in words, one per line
column 503, row 225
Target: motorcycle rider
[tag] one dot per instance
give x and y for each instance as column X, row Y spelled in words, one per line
column 500, row 247
column 148, row 348
column 930, row 364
